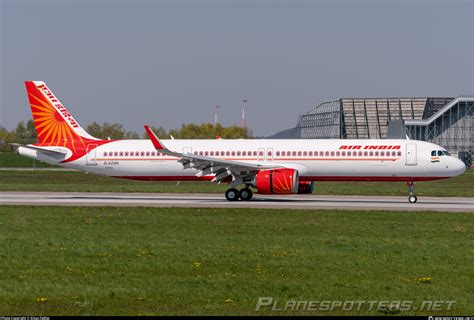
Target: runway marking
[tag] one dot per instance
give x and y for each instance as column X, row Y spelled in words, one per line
column 194, row 200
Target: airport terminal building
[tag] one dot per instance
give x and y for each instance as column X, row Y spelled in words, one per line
column 446, row 121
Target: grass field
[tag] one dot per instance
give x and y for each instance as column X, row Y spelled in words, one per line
column 462, row 186
column 156, row 261
column 9, row 159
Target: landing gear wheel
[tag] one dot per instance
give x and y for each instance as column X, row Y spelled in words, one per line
column 232, row 194
column 411, row 192
column 412, row 198
column 246, row 194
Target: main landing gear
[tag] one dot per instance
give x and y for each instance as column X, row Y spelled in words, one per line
column 411, row 192
column 244, row 194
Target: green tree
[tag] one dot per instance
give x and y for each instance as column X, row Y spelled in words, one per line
column 6, row 137
column 131, row 135
column 209, row 131
column 106, row 130
column 110, row 130
column 25, row 134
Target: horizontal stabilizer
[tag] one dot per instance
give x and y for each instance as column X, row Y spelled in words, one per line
column 49, row 152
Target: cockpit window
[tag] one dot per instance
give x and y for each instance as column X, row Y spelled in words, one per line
column 439, row 153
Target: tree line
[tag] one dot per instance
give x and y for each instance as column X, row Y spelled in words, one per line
column 25, row 133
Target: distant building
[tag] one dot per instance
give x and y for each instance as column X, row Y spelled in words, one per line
column 446, row 121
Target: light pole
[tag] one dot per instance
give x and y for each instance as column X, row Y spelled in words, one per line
column 244, row 101
column 215, row 115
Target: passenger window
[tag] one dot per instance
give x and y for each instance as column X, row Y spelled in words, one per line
column 310, row 153
column 305, row 153
column 244, row 153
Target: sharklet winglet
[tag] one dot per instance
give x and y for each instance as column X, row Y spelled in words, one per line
column 154, row 139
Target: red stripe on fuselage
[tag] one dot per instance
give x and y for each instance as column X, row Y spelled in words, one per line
column 301, row 178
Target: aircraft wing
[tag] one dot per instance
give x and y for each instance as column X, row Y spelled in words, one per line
column 221, row 168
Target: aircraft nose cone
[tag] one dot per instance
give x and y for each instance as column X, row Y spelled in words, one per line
column 458, row 167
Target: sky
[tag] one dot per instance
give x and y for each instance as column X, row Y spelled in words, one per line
column 166, row 63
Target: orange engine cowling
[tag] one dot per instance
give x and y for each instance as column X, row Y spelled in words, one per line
column 305, row 187
column 277, row 181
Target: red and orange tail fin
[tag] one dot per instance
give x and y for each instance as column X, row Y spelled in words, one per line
column 55, row 126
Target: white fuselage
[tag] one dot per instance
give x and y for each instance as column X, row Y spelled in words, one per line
column 315, row 160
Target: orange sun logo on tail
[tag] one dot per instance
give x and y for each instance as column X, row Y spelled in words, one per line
column 55, row 126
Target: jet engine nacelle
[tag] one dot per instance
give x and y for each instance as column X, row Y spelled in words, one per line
column 305, row 187
column 277, row 181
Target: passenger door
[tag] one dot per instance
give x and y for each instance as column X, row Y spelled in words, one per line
column 411, row 155
column 91, row 155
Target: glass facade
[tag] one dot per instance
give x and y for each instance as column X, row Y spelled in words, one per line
column 445, row 121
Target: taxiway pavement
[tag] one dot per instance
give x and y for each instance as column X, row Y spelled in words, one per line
column 201, row 200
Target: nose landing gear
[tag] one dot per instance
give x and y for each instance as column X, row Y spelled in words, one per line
column 411, row 192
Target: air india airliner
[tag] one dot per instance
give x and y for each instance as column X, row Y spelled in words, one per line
column 269, row 166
